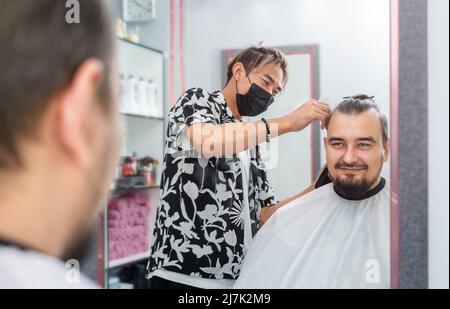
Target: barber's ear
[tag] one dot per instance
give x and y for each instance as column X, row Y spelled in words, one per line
column 75, row 107
column 386, row 151
column 238, row 70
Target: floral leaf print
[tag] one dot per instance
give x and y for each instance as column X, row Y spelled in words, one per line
column 166, row 190
column 175, row 178
column 219, row 272
column 211, row 238
column 211, row 216
column 184, row 213
column 209, row 270
column 173, row 263
column 221, row 176
column 211, row 194
column 201, row 251
column 263, row 195
column 191, row 190
column 170, row 220
column 230, row 238
column 222, row 193
column 229, row 254
column 179, row 247
column 159, row 253
column 186, row 229
column 209, row 213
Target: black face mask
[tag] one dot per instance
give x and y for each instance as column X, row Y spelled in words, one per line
column 254, row 102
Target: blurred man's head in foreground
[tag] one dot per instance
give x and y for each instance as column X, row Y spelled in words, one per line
column 59, row 132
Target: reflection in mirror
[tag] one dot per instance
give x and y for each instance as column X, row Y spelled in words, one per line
column 337, row 236
column 276, row 219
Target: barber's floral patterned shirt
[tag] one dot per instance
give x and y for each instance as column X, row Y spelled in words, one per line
column 200, row 219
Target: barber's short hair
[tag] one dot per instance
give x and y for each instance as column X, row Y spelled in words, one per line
column 40, row 51
column 359, row 104
column 256, row 57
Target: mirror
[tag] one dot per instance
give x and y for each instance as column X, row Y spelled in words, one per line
column 334, row 49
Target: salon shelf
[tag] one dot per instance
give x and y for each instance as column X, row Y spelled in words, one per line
column 136, row 188
column 142, row 134
column 128, row 260
column 143, row 116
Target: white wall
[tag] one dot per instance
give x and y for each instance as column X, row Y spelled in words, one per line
column 353, row 36
column 438, row 160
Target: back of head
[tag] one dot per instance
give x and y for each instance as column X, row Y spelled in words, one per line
column 58, row 123
column 40, row 51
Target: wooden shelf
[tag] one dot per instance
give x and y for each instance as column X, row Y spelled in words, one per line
column 131, row 189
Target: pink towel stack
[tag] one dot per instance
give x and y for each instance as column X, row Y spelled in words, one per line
column 128, row 225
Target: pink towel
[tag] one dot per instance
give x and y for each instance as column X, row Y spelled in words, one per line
column 128, row 225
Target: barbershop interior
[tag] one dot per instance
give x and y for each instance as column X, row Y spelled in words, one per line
column 334, row 174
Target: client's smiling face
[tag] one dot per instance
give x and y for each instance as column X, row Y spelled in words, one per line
column 355, row 151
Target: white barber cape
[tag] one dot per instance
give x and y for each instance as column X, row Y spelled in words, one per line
column 322, row 240
column 25, row 269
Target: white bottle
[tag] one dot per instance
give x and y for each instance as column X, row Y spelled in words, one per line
column 141, row 97
column 159, row 104
column 131, row 95
column 123, row 94
column 136, row 96
column 151, row 99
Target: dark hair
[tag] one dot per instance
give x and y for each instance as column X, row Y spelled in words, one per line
column 361, row 103
column 257, row 57
column 39, row 55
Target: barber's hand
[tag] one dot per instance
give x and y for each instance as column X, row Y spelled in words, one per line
column 307, row 113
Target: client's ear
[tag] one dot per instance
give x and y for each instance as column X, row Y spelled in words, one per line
column 386, row 151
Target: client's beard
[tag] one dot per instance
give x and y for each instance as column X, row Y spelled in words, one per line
column 351, row 188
